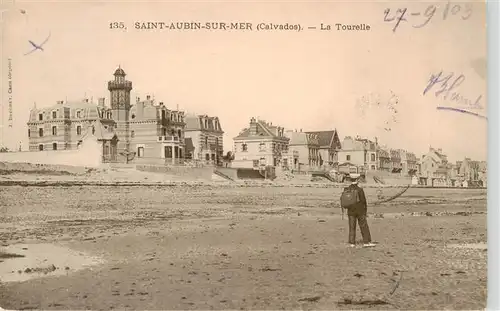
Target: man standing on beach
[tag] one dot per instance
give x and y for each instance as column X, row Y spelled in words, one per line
column 356, row 212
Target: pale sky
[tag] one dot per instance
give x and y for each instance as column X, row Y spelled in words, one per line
column 310, row 80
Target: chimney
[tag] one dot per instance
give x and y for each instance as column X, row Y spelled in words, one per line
column 148, row 97
column 161, row 103
column 253, row 126
column 138, row 99
column 101, row 102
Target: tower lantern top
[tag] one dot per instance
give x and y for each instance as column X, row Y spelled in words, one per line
column 120, row 72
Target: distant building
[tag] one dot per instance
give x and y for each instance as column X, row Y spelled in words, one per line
column 259, row 145
column 473, row 171
column 359, row 152
column 307, row 147
column 63, row 125
column 329, row 145
column 146, row 132
column 206, row 135
column 435, row 168
column 384, row 159
column 483, row 173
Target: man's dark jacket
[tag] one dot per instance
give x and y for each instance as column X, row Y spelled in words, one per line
column 360, row 207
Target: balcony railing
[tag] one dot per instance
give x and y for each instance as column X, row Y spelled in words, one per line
column 168, row 138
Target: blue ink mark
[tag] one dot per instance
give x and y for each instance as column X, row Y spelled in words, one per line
column 399, row 18
column 436, row 78
column 429, row 14
column 462, row 111
column 446, row 90
column 36, row 46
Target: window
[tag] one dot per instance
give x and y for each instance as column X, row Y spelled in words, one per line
column 213, row 156
column 207, row 157
column 93, row 130
column 78, row 130
column 255, row 163
column 164, row 132
column 40, row 132
column 348, row 158
column 179, row 133
column 206, row 142
column 140, row 152
column 78, row 114
column 29, row 133
column 262, row 146
column 40, row 147
column 132, row 134
column 373, row 157
column 244, row 147
column 133, row 116
column 54, row 130
column 54, row 114
column 54, row 146
column 40, row 117
column 373, row 166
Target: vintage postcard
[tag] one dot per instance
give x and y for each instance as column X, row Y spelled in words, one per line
column 213, row 155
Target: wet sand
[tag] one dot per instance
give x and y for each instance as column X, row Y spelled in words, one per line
column 239, row 248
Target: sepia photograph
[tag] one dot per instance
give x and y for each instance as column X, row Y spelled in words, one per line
column 250, row 155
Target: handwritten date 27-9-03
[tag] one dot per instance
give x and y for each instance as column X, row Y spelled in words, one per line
column 400, row 15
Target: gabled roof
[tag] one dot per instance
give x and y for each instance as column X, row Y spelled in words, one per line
column 195, row 122
column 264, row 130
column 325, row 138
column 302, row 138
column 383, row 153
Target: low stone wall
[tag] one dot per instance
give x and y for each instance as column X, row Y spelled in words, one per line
column 43, row 169
column 185, row 171
column 388, row 178
column 229, row 172
column 89, row 155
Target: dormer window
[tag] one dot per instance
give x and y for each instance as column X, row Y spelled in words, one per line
column 78, row 114
column 40, row 117
column 244, row 147
column 54, row 114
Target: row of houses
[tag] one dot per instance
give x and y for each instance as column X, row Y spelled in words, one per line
column 147, row 131
column 264, row 144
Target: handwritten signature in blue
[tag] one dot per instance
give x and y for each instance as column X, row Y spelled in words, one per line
column 429, row 13
column 448, row 86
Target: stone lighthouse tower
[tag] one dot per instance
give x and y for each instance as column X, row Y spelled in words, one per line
column 119, row 90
